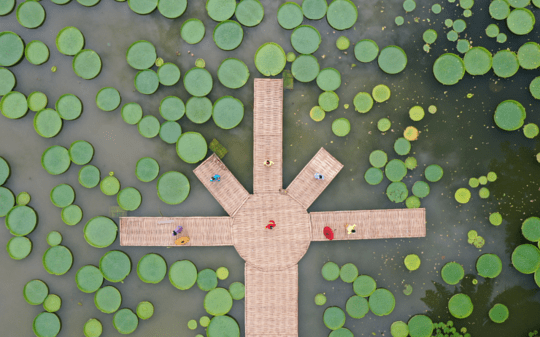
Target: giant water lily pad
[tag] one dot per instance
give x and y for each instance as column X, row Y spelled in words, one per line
column 198, row 82
column 449, row 69
column 220, row 10
column 100, row 232
column 233, row 73
column 378, row 158
column 397, row 192
column 30, row 14
column 478, row 61
column 228, row 35
column 395, row 170
column 249, row 12
column 168, row 74
column 452, row 273
column 146, row 81
column 199, row 109
column 21, row 220
column 55, row 160
column 93, row 328
column 145, row 310
column 110, row 185
column 143, row 7
column 170, row 132
column 129, row 199
column 148, row 126
column 364, row 285
column 330, row 271
column 334, row 318
column 433, row 173
column 329, row 101
column 191, row 147
column 57, row 260
column 108, row 299
column 13, row 47
column 531, row 229
column 62, row 195
column 520, row 21
column 172, row 108
column 6, row 7
column 218, row 302
column 46, row 324
column 115, row 266
column 173, row 187
column 35, row 292
column 348, row 273
column 147, row 169
column 152, row 268
column 237, row 290
column 489, row 265
column 329, row 79
column 289, row 15
column 314, row 9
column 37, row 101
column 19, row 247
column 382, row 302
column 72, row 215
column 526, row 258
column 52, row 303
column 228, row 112
column 69, row 107
column 270, row 59
column 183, row 274
column 171, row 9
column 36, row 52
column 529, row 55
column 499, row 313
column 373, row 176
column 509, row 115
column 7, row 81
column 81, row 152
column 341, row 14
column 399, row 329
column 47, row 123
column 460, row 306
column 505, row 63
column 14, row 105
column 392, row 59
column 221, row 326
column 341, row 127
column 89, row 279
column 69, row 41
column 87, row 64
column 357, row 306
column 192, row 31
column 108, row 99
column 420, row 326
column 141, row 55
column 305, row 39
column 89, row 176
column 207, row 279
column 366, row 50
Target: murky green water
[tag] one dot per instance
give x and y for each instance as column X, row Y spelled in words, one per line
column 460, row 137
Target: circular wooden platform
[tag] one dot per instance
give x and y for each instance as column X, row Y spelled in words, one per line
column 276, row 249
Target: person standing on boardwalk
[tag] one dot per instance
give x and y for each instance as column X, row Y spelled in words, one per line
column 271, row 224
column 268, row 163
column 216, row 177
column 319, row 176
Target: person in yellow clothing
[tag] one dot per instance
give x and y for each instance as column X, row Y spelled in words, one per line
column 350, row 229
column 268, row 163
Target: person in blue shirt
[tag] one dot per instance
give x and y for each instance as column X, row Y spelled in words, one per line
column 216, row 177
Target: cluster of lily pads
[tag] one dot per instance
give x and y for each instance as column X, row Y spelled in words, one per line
column 463, row 194
column 367, row 297
column 526, row 257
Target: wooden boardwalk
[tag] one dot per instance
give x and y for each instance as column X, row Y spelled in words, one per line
column 271, row 255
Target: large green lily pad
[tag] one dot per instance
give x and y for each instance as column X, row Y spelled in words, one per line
column 152, row 268
column 100, row 232
column 173, row 187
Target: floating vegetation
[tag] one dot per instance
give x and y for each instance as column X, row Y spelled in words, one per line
column 402, row 146
column 89, row 279
column 382, row 302
column 183, row 274
column 169, row 74
column 233, row 73
column 222, row 273
column 54, row 238
column 198, row 82
column 14, row 45
column 317, row 113
column 330, row 271
column 520, row 21
column 341, row 14
column 146, row 82
column 115, row 266
column 220, row 10
column 199, row 109
column 526, row 258
column 100, row 232
column 334, row 318
column 460, row 306
column 36, row 52
column 430, row 36
column 289, row 15
column 449, row 68
column 30, row 15
column 459, row 25
column 341, row 127
column 57, row 260
column 62, row 195
column 171, row 9
column 89, row 176
column 173, row 187
column 531, row 229
column 484, row 193
column 132, row 113
column 52, row 303
column 207, row 280
column 7, row 81
column 169, row 132
column 129, row 199
column 110, row 185
column 171, row 108
column 23, row 199
column 395, row 170
column 124, row 320
column 411, row 133
column 192, row 31
column 363, row 103
column 148, row 126
column 35, row 292
column 357, row 306
column 69, row 107
column 452, row 273
column 495, row 219
column 420, row 188
column 320, row 299
column 227, row 112
column 19, row 247
column 93, row 328
column 329, row 101
column 305, row 68
column 71, row 215
column 86, row 64
column 489, row 265
column 192, row 324
column 217, row 148
column 329, row 79
column 397, row 192
column 237, row 290
column 378, row 158
column 416, row 113
column 223, row 325
column 14, row 105
column 373, row 176
column 270, row 58
column 381, row 93
column 463, row 195
column 463, row 46
column 399, row 329
column 399, row 20
column 342, row 43
column 409, row 5
column 529, row 55
column 392, row 60
column 348, row 273
column 509, row 115
column 433, row 173
column 218, row 302
column 46, row 324
column 21, row 220
column 501, row 38
column 420, row 326
column 204, row 321
column 452, row 36
column 191, row 147
column 384, row 124
column 505, row 63
column 412, row 262
column 499, row 313
column 305, row 39
column 531, row 130
column 228, row 35
column 249, row 12
column 412, row 202
column 411, row 164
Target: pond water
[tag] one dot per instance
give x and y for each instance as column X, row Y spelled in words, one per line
column 460, row 137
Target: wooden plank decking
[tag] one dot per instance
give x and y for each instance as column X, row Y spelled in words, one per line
column 271, row 302
column 157, row 231
column 268, row 135
column 228, row 192
column 305, row 188
column 372, row 224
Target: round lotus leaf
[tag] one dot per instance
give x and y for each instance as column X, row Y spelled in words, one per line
column 520, row 21
column 452, row 36
column 499, row 313
column 384, row 124
column 531, row 229
column 93, row 328
column 36, row 52
column 474, row 182
column 430, row 36
column 459, row 25
column 147, row 169
column 110, row 185
column 19, row 247
column 13, row 47
column 132, row 113
column 397, row 192
column 148, row 126
column 129, row 199
column 412, row 202
column 452, row 273
column 142, row 7
column 317, row 113
column 329, row 79
column 207, row 279
column 237, row 290
column 270, row 59
column 509, row 115
column 320, row 299
column 392, row 60
column 411, row 163
column 69, row 41
column 151, row 268
column 402, row 146
column 342, row 43
column 145, row 310
column 529, row 55
column 125, row 321
column 198, row 82
column 199, row 109
column 6, row 7
column 489, row 265
column 249, row 12
column 534, row 87
column 146, row 81
column 191, row 147
column 100, row 232
column 329, row 101
column 89, row 279
column 46, row 324
column 192, row 31
column 222, row 273
column 305, row 68
column 62, row 195
column 183, row 274
column 381, row 93
column 81, row 152
column 341, row 332
column 330, row 271
column 420, row 326
column 108, row 299
column 531, row 130
column 496, row 219
column 6, row 197
column 115, row 266
column 478, row 61
column 449, row 69
column 341, row 14
column 220, row 10
column 409, row 5
column 171, row 108
column 412, row 262
column 218, row 301
column 416, row 113
column 484, row 193
column 373, row 176
column 30, row 15
column 420, row 189
column 463, row 195
column 463, row 46
column 228, row 35
column 366, row 50
column 23, row 198
column 14, row 105
column 399, row 329
column 399, row 20
column 433, row 173
column 314, row 9
column 526, row 258
column 460, row 306
column 233, row 73
column 357, row 306
column 341, row 127
column 52, row 303
column 89, row 176
column 228, row 112
column 35, row 292
column 141, row 55
column 505, row 63
column 223, row 326
column 21, row 220
column 364, row 286
column 172, row 9
column 87, row 3
column 57, row 260
column 492, row 30
column 69, row 107
column 169, row 132
column 378, row 158
column 72, row 215
column 501, row 38
column 7, row 81
column 382, row 302
column 395, row 170
column 87, row 64
column 289, row 15
column 363, row 102
column 168, row 74
column 348, row 273
column 47, row 123
column 54, row 238
column 334, row 318
column 305, row 39
column 173, row 187
column 108, row 99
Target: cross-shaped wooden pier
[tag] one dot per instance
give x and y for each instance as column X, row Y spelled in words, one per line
column 271, row 271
